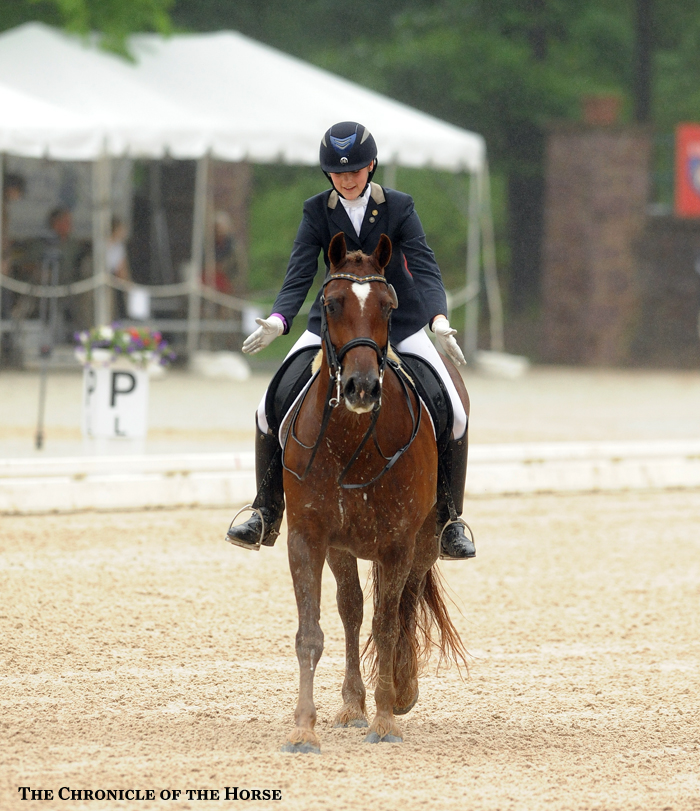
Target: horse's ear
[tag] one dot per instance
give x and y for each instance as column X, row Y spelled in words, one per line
column 382, row 253
column 337, row 250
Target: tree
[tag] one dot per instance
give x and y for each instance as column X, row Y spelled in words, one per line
column 113, row 19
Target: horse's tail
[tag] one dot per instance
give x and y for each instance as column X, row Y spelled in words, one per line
column 424, row 624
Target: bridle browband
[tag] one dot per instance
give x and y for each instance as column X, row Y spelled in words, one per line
column 334, row 358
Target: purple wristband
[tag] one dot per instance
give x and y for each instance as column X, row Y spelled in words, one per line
column 283, row 320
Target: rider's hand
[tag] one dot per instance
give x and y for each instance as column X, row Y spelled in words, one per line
column 269, row 329
column 445, row 335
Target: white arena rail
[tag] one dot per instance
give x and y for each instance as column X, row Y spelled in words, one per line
column 31, row 485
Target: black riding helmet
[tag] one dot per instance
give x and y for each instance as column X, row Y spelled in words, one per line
column 347, row 147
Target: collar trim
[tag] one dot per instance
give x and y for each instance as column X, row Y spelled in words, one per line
column 377, row 193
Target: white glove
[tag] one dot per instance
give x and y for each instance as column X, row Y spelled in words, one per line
column 445, row 335
column 269, row 329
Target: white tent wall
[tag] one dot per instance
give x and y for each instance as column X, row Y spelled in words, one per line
column 218, row 95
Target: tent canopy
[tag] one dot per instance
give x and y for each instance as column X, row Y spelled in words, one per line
column 37, row 128
column 272, row 107
column 193, row 94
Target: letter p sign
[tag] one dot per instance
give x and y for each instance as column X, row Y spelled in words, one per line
column 115, row 402
column 122, row 383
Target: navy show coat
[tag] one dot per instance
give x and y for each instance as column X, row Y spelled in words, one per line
column 412, row 270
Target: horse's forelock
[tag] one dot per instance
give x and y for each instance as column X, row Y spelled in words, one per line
column 359, row 258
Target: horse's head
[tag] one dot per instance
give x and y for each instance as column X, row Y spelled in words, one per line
column 357, row 302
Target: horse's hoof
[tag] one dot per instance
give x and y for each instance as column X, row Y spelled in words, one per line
column 301, row 748
column 356, row 723
column 373, row 737
column 406, row 710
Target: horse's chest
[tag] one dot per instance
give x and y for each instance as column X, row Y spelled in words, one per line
column 358, row 514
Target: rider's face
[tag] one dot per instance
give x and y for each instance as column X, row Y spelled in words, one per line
column 351, row 184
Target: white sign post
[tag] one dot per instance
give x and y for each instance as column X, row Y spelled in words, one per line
column 115, row 401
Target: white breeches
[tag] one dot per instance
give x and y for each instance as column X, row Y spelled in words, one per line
column 417, row 344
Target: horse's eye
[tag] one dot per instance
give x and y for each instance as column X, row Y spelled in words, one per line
column 332, row 306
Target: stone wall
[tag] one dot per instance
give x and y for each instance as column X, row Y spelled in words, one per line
column 595, row 212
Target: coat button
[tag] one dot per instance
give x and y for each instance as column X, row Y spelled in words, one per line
column 371, row 219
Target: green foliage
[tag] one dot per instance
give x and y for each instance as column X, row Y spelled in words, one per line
column 113, row 19
column 276, row 206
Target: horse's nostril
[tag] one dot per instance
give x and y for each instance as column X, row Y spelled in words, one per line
column 360, row 389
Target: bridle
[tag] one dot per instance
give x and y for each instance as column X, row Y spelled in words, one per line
column 334, row 358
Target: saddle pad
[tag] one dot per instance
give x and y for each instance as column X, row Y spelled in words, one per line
column 286, row 385
column 433, row 393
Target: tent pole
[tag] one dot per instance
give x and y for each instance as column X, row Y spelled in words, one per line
column 389, row 175
column 471, row 308
column 493, row 294
column 101, row 190
column 198, row 226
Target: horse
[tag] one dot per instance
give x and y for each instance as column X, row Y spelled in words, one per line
column 360, row 478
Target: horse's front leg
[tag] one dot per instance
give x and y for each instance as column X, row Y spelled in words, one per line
column 385, row 633
column 350, row 607
column 306, row 564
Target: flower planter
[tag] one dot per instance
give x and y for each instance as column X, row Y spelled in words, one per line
column 116, row 363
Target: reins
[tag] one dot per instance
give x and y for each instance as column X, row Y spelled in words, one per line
column 334, row 359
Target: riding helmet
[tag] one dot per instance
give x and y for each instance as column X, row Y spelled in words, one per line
column 347, row 147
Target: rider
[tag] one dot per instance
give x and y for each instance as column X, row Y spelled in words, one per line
column 362, row 210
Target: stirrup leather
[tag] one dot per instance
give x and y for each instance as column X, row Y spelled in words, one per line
column 243, row 544
column 442, row 532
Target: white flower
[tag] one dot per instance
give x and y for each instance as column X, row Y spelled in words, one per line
column 106, row 333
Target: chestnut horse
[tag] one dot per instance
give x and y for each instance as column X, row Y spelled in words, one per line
column 360, row 481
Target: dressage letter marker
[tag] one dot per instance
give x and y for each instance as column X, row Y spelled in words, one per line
column 115, row 402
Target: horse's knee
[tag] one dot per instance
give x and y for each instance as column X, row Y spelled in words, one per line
column 309, row 644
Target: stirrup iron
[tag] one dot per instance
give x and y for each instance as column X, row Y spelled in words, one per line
column 242, row 544
column 442, row 532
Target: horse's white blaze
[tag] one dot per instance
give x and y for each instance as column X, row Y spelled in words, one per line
column 361, row 291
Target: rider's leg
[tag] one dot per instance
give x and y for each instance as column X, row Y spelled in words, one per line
column 455, row 543
column 269, row 477
column 269, row 501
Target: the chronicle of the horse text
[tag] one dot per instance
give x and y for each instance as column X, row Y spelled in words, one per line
column 81, row 794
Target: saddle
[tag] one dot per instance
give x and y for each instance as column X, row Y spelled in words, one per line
column 294, row 374
column 287, row 384
column 433, row 393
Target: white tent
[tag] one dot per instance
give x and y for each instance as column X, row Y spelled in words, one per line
column 36, row 129
column 65, row 71
column 269, row 106
column 220, row 95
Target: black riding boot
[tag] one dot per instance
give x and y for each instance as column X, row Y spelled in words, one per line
column 455, row 543
column 270, row 498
